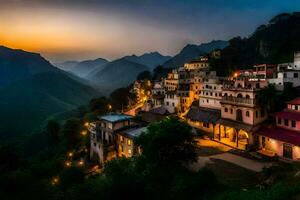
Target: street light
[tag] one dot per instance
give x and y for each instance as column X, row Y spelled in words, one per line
column 83, row 133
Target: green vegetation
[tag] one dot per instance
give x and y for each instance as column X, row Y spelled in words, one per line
column 272, row 43
column 158, row 173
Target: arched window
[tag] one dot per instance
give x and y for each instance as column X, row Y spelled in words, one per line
column 240, row 95
column 247, row 113
column 226, row 109
column 247, row 96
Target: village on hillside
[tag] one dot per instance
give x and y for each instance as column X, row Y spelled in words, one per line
column 226, row 112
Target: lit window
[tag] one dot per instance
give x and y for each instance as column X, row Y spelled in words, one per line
column 129, row 151
column 121, row 138
column 129, row 142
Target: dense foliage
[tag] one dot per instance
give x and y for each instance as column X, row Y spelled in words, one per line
column 272, row 43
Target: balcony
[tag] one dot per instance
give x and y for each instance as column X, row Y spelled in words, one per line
column 233, row 88
column 238, row 101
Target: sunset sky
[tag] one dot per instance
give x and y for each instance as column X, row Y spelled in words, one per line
column 83, row 29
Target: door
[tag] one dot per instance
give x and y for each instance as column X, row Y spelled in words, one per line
column 239, row 116
column 287, row 151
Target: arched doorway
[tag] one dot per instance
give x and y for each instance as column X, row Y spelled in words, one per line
column 239, row 115
column 243, row 139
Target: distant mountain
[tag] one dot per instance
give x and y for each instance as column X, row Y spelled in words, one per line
column 18, row 64
column 274, row 42
column 115, row 74
column 151, row 60
column 34, row 90
column 66, row 66
column 191, row 51
column 83, row 68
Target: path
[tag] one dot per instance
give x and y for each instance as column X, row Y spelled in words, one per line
column 247, row 163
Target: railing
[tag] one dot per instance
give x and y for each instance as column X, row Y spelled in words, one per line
column 229, row 87
column 238, row 100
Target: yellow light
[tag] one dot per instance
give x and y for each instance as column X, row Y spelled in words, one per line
column 235, row 74
column 83, row 133
column 55, row 180
column 81, row 163
column 109, row 107
column 68, row 163
column 86, row 124
column 70, row 154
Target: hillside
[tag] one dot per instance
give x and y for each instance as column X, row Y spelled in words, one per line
column 115, row 74
column 25, row 104
column 66, row 66
column 18, row 64
column 191, row 51
column 274, row 42
column 83, row 68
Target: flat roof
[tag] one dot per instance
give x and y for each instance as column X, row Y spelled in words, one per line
column 134, row 132
column 115, row 117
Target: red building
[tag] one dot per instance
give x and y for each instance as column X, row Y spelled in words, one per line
column 283, row 139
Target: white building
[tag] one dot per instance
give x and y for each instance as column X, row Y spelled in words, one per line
column 211, row 94
column 171, row 101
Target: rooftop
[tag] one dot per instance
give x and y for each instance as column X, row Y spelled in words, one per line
column 203, row 114
column 283, row 135
column 295, row 101
column 115, row 117
column 286, row 114
column 134, row 132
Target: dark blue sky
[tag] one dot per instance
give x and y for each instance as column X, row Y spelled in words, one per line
column 74, row 29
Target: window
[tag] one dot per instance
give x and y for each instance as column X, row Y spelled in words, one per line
column 247, row 114
column 231, row 110
column 256, row 114
column 293, row 123
column 286, row 122
column 295, row 75
column 296, row 107
column 226, row 109
column 129, row 142
column 279, row 121
column 129, row 151
column 207, row 100
column 121, row 138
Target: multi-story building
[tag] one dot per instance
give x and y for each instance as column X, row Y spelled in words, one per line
column 191, row 77
column 103, row 135
column 240, row 113
column 282, row 139
column 211, row 94
column 287, row 73
column 125, row 142
column 158, row 94
column 171, row 82
column 200, row 63
column 171, row 101
column 265, row 70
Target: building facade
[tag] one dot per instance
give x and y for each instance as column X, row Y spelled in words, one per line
column 283, row 138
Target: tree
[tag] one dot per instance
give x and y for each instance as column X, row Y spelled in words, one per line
column 144, row 75
column 99, row 105
column 268, row 98
column 168, row 142
column 52, row 129
column 71, row 131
